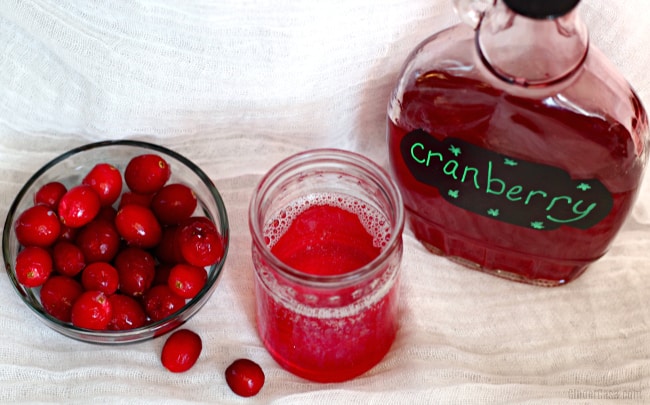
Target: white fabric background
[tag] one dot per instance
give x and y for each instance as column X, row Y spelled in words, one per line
column 238, row 85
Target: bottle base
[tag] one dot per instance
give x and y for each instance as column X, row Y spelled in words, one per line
column 515, row 266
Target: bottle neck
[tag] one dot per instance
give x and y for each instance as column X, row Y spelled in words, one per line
column 531, row 52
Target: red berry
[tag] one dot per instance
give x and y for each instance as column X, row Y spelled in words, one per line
column 245, row 377
column 147, row 173
column 58, row 294
column 186, row 280
column 79, row 206
column 100, row 276
column 127, row 313
column 98, row 240
column 181, row 351
column 68, row 258
column 104, row 257
column 130, row 197
column 136, row 269
column 200, row 242
column 92, row 310
column 37, row 226
column 33, row 266
column 174, row 203
column 49, row 194
column 162, row 274
column 107, row 213
column 106, row 180
column 161, row 302
column 138, row 226
column 168, row 250
column 68, row 233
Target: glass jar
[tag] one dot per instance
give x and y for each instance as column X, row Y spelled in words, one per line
column 332, row 313
column 518, row 147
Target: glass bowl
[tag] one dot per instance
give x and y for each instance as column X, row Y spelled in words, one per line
column 69, row 169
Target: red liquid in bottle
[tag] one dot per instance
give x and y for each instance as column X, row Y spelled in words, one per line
column 586, row 145
column 340, row 333
column 518, row 147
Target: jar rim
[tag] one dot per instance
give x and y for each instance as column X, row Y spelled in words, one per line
column 339, row 156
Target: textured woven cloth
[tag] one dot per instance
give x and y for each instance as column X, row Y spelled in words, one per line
column 238, row 85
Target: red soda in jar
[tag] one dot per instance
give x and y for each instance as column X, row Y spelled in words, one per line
column 326, row 252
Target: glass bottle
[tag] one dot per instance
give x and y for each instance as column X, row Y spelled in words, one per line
column 518, row 147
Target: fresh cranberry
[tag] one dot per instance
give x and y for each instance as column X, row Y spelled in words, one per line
column 127, row 313
column 129, row 197
column 37, row 226
column 168, row 250
column 106, row 180
column 79, row 206
column 161, row 302
column 174, row 203
column 104, row 257
column 107, row 213
column 136, row 269
column 200, row 242
column 92, row 310
column 181, row 351
column 99, row 241
column 50, row 194
column 100, row 276
column 68, row 233
column 138, row 226
column 147, row 173
column 186, row 280
column 33, row 266
column 68, row 259
column 58, row 294
column 245, row 377
column 162, row 273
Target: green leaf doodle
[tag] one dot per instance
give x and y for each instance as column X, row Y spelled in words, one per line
column 583, row 186
column 493, row 212
column 537, row 225
column 509, row 162
column 452, row 193
column 454, row 150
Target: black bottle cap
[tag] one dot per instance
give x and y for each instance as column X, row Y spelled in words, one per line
column 541, row 9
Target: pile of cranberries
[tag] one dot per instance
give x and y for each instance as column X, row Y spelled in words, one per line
column 103, row 256
column 119, row 250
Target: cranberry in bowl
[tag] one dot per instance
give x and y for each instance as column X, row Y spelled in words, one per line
column 116, row 242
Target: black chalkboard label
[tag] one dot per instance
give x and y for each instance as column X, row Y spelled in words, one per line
column 497, row 186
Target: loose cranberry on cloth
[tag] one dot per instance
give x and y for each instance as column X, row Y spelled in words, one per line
column 245, row 377
column 181, row 351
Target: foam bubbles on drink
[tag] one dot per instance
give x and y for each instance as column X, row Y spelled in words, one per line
column 372, row 220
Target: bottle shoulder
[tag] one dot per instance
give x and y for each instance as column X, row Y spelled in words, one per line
column 596, row 88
